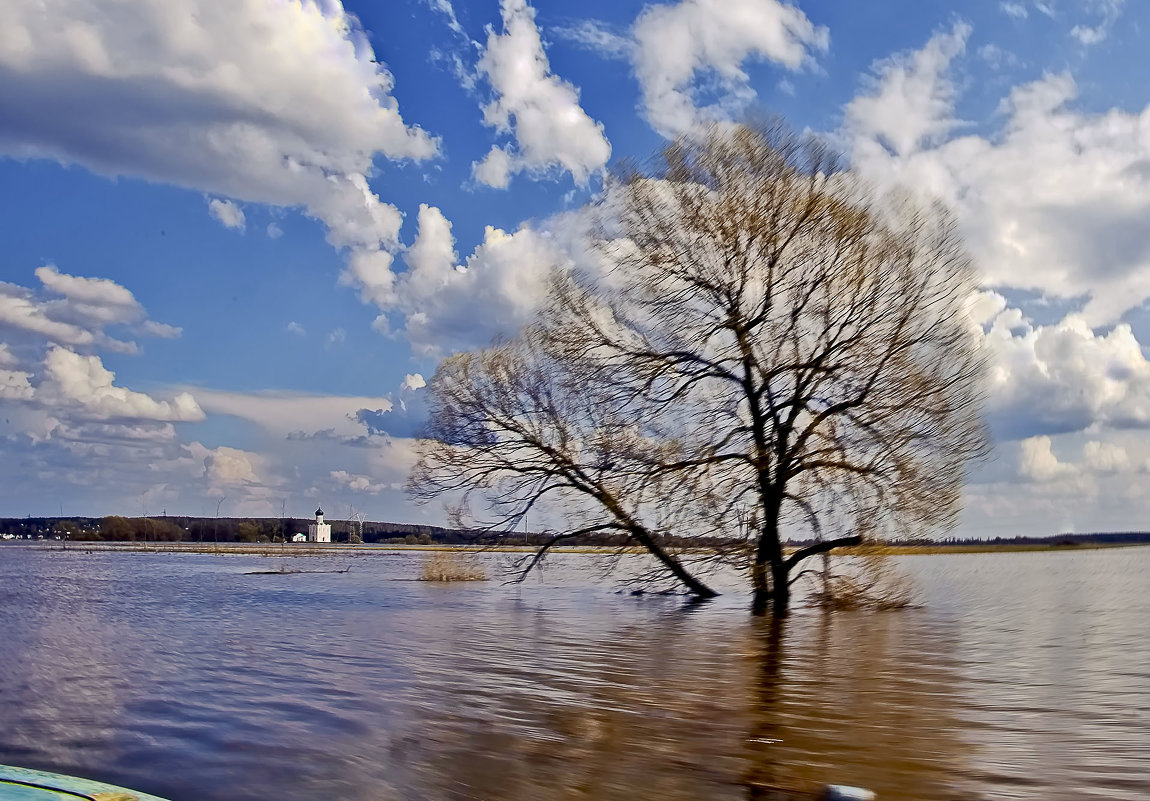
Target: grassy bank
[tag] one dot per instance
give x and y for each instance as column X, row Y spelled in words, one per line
column 290, row 549
column 921, row 550
column 343, row 549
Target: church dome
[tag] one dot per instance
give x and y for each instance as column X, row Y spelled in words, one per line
column 319, row 512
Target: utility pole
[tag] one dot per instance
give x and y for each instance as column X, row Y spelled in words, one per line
column 216, row 522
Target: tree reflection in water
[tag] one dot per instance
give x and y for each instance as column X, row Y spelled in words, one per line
column 688, row 707
column 638, row 712
column 1023, row 676
column 866, row 699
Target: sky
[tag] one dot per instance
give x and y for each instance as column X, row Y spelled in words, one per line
column 237, row 236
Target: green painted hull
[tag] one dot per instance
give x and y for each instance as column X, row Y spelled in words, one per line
column 21, row 784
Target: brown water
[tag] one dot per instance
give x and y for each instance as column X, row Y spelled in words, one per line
column 1024, row 676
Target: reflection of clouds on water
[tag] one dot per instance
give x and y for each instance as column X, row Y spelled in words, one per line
column 65, row 666
column 687, row 706
column 182, row 676
column 640, row 710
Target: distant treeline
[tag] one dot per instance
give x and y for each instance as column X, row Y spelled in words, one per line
column 263, row 529
column 1106, row 538
column 248, row 529
column 223, row 529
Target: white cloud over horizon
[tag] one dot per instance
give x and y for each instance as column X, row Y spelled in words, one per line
column 1064, row 377
column 506, row 277
column 358, row 483
column 83, row 382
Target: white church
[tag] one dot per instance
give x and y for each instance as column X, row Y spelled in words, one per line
column 318, row 531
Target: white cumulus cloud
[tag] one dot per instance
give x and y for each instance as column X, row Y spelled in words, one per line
column 1064, row 377
column 227, row 213
column 76, row 311
column 1105, row 457
column 1038, row 461
column 506, row 276
column 226, row 468
column 494, row 169
column 1054, row 202
column 542, row 111
column 14, row 385
column 678, row 45
column 911, row 101
column 278, row 103
column 20, row 310
column 357, row 483
column 82, row 382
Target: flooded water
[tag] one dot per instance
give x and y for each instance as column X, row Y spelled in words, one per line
column 1023, row 676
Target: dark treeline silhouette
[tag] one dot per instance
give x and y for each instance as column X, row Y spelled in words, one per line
column 246, row 529
column 1095, row 538
column 177, row 528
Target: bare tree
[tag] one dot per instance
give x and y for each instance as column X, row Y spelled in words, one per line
column 519, row 428
column 764, row 332
column 216, row 521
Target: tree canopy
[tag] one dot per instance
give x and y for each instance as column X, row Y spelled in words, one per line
column 760, row 345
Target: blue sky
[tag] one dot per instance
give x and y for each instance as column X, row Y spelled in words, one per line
column 251, row 213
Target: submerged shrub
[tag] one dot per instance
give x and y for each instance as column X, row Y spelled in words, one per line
column 870, row 580
column 452, row 566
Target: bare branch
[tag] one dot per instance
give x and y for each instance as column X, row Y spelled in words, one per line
column 756, row 328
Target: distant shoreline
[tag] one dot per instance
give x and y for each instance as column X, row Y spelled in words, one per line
column 920, row 550
column 345, row 549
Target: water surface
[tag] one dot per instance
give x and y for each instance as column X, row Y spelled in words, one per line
column 1023, row 676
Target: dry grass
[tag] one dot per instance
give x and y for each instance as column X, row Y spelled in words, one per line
column 452, row 566
column 869, row 581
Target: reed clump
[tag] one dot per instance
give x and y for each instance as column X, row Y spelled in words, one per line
column 870, row 580
column 452, row 566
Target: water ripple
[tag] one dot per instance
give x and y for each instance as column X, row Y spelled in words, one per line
column 1024, row 676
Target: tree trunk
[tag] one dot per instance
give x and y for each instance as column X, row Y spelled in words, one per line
column 761, row 588
column 769, row 557
column 697, row 587
column 781, row 595
column 644, row 538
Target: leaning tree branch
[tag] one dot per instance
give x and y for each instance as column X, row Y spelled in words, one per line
column 537, row 557
column 821, row 547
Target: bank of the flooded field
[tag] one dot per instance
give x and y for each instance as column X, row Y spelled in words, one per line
column 292, row 549
column 327, row 549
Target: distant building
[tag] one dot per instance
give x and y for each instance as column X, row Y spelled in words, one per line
column 318, row 531
column 299, row 537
